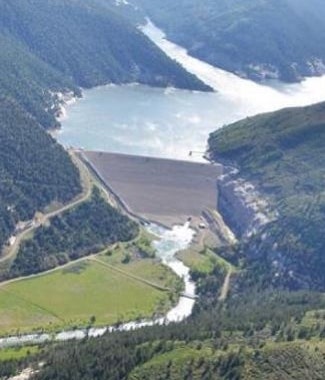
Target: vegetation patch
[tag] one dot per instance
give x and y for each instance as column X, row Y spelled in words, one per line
column 74, row 295
column 14, row 360
column 130, row 258
column 34, row 169
column 76, row 268
column 87, row 228
column 204, row 261
column 282, row 153
column 18, row 352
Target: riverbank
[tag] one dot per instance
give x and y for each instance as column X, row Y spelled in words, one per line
column 225, row 81
column 135, row 272
column 269, row 96
column 168, row 243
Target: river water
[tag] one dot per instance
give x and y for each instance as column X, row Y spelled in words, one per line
column 167, row 123
column 138, row 119
column 168, row 243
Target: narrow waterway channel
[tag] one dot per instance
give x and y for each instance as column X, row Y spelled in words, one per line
column 168, row 243
column 167, row 123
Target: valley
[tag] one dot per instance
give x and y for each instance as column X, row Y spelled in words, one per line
column 167, row 239
column 121, row 271
column 171, row 122
column 141, row 271
column 254, row 39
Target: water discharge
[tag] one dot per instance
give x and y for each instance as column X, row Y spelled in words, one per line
column 168, row 243
column 168, row 123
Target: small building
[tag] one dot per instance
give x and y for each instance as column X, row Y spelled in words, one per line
column 12, row 240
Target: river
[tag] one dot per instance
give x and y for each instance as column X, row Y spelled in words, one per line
column 138, row 119
column 168, row 243
column 141, row 120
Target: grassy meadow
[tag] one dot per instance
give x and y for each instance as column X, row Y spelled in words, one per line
column 17, row 352
column 71, row 296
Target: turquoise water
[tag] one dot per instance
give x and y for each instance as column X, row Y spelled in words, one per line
column 141, row 120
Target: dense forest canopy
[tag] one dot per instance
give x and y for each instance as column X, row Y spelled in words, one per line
column 34, row 169
column 88, row 228
column 50, row 48
column 59, row 46
column 255, row 38
column 283, row 153
column 269, row 327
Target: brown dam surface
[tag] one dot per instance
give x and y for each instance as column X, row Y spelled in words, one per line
column 160, row 190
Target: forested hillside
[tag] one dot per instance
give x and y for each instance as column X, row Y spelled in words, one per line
column 53, row 46
column 255, row 38
column 266, row 326
column 34, row 169
column 259, row 336
column 283, row 154
column 88, row 228
column 30, row 81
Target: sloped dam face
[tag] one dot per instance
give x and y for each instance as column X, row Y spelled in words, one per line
column 164, row 191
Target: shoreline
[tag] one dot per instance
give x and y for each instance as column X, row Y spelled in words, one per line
column 65, row 100
column 180, row 311
column 176, row 314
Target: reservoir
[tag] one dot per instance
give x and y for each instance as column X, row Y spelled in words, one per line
column 168, row 123
column 138, row 119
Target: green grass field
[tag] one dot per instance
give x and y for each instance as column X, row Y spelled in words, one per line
column 204, row 260
column 149, row 269
column 17, row 352
column 71, row 296
column 175, row 363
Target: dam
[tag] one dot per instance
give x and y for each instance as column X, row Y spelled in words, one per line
column 159, row 190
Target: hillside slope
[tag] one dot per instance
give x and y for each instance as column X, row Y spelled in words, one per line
column 283, row 154
column 30, row 81
column 263, row 342
column 255, row 38
column 34, row 169
column 50, row 48
column 87, row 228
column 59, row 46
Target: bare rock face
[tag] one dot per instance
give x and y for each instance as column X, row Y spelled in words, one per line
column 241, row 205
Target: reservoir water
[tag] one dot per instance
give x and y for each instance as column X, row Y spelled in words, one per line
column 138, row 119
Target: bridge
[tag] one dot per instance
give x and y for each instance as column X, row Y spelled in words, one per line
column 190, row 296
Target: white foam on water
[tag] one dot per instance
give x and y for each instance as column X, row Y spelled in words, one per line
column 168, row 244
